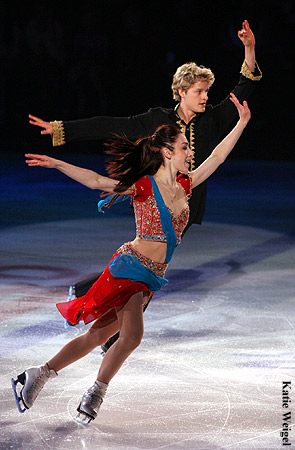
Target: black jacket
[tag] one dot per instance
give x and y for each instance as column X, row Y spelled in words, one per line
column 208, row 130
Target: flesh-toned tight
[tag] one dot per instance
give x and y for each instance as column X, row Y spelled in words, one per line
column 130, row 324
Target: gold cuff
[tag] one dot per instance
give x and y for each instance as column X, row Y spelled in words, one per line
column 248, row 74
column 58, row 136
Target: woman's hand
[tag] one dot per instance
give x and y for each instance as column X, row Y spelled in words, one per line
column 40, row 160
column 243, row 110
column 42, row 124
column 246, row 35
column 223, row 149
column 86, row 177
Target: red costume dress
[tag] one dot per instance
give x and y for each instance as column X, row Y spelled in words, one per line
column 128, row 271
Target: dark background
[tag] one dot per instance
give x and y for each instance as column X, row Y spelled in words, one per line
column 64, row 61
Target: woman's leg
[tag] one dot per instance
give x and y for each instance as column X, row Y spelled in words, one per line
column 82, row 345
column 130, row 319
column 34, row 378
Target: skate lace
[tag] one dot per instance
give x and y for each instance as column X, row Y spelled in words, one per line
column 94, row 399
column 37, row 386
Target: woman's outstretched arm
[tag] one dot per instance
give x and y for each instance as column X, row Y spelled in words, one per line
column 87, row 177
column 222, row 150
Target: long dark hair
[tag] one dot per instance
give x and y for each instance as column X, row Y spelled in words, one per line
column 132, row 160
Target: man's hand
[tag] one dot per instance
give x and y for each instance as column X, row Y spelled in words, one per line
column 246, row 35
column 42, row 124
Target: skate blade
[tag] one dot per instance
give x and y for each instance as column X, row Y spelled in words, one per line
column 18, row 398
column 83, row 418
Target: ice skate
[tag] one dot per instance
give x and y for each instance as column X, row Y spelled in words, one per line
column 91, row 402
column 33, row 380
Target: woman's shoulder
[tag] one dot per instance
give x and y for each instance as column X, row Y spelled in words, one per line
column 186, row 182
column 142, row 188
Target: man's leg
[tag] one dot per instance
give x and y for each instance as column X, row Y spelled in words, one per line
column 83, row 286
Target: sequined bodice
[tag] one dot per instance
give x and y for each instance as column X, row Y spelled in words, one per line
column 147, row 215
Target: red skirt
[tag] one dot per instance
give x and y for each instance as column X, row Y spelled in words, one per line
column 106, row 294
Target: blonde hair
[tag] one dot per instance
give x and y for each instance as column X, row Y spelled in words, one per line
column 188, row 74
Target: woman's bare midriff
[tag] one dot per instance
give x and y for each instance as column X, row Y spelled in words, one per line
column 156, row 251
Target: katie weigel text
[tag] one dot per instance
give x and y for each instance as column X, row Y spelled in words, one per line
column 287, row 413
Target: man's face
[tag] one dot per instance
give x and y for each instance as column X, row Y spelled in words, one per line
column 195, row 98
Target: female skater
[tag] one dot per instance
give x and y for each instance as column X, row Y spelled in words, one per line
column 147, row 171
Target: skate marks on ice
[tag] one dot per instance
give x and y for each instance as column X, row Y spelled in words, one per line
column 164, row 409
column 208, row 373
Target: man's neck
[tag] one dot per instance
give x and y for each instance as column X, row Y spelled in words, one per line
column 185, row 115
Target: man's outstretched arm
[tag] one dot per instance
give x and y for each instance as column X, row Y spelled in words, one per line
column 247, row 37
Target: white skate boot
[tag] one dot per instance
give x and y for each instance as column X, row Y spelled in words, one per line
column 90, row 403
column 33, row 380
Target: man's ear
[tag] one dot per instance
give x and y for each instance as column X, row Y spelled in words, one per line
column 181, row 93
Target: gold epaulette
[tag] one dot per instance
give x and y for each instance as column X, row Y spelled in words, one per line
column 248, row 74
column 58, row 136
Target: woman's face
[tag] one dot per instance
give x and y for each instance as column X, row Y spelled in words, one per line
column 182, row 154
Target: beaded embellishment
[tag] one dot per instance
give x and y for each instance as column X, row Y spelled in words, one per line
column 157, row 268
column 58, row 136
column 148, row 222
column 182, row 127
column 248, row 74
